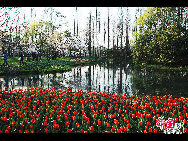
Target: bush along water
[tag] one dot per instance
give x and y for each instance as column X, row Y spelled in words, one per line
column 38, row 110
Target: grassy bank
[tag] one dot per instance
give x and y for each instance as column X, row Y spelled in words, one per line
column 143, row 65
column 42, row 66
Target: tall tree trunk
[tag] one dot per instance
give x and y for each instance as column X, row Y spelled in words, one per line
column 117, row 42
column 96, row 38
column 93, row 39
column 89, row 46
column 77, row 19
column 104, row 33
column 74, row 27
column 108, row 29
column 77, row 27
column 121, row 28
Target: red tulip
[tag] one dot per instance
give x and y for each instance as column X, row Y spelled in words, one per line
column 5, row 118
column 133, row 115
column 116, row 121
column 78, row 125
column 154, row 118
column 121, row 128
column 185, row 130
column 148, row 115
column 91, row 128
column 56, row 126
column 68, row 130
column 155, row 130
column 113, row 129
column 145, row 112
column 118, row 131
column 6, row 131
column 140, row 123
column 54, row 121
column 129, row 125
column 176, row 119
column 108, row 124
column 119, row 111
column 114, row 115
column 125, row 111
column 146, row 127
column 88, row 122
column 185, row 121
column 67, row 123
column 46, row 130
column 162, row 110
column 68, row 112
column 66, row 118
column 22, row 125
column 74, row 117
column 125, row 129
column 145, row 131
column 45, row 124
column 150, row 130
column 142, row 115
column 8, row 128
column 157, row 110
column 148, row 123
column 82, row 131
column 13, row 123
column 61, row 102
column 20, row 131
column 31, row 126
column 99, row 122
column 57, row 117
column 94, row 115
column 158, row 115
column 181, row 117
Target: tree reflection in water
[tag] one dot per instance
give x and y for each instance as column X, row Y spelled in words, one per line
column 111, row 78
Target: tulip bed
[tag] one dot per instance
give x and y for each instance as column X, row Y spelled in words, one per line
column 38, row 110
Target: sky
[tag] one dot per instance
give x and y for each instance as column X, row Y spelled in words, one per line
column 83, row 13
column 81, row 16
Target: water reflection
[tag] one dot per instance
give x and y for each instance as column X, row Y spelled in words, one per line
column 106, row 77
column 160, row 82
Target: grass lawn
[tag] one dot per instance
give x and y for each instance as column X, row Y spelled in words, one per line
column 161, row 67
column 43, row 65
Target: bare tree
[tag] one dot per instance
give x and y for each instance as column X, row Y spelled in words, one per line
column 108, row 29
column 89, row 42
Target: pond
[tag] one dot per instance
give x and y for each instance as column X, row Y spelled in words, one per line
column 107, row 77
